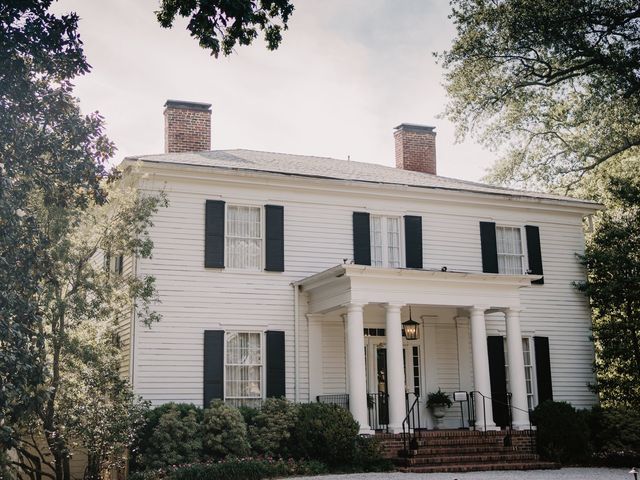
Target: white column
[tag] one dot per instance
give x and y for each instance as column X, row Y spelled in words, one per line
column 515, row 360
column 356, row 367
column 316, row 368
column 395, row 369
column 481, row 379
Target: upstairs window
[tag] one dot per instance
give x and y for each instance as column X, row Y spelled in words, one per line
column 385, row 241
column 510, row 251
column 243, row 238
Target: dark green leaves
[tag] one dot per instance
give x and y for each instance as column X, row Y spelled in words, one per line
column 612, row 259
column 221, row 24
column 556, row 83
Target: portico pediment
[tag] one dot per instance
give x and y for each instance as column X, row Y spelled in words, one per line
column 344, row 284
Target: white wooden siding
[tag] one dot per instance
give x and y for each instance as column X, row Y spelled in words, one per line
column 318, row 235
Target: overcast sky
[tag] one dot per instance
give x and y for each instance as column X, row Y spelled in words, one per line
column 346, row 73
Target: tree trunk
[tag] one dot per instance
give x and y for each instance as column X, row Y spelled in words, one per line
column 92, row 472
column 57, row 444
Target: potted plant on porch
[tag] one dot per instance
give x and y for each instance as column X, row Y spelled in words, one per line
column 437, row 402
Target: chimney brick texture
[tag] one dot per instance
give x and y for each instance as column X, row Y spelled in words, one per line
column 415, row 148
column 187, row 126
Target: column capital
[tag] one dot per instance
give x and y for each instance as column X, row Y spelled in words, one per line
column 393, row 306
column 354, row 307
column 513, row 311
column 477, row 309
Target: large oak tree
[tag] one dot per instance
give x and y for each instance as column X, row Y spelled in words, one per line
column 554, row 83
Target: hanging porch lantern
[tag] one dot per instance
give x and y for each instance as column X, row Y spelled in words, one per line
column 410, row 328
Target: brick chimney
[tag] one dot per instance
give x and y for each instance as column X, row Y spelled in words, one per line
column 187, row 126
column 415, row 148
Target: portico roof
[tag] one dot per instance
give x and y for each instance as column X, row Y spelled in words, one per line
column 342, row 285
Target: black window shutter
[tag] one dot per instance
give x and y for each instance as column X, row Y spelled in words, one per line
column 361, row 239
column 274, row 226
column 413, row 241
column 543, row 368
column 498, row 377
column 489, row 247
column 213, row 365
column 214, row 234
column 533, row 251
column 275, row 364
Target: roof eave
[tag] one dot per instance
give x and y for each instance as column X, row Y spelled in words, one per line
column 586, row 205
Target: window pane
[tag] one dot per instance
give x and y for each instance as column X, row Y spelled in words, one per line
column 243, row 370
column 393, row 241
column 509, row 249
column 243, row 244
column 385, row 241
column 376, row 242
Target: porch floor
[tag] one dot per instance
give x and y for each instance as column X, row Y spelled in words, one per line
column 464, row 451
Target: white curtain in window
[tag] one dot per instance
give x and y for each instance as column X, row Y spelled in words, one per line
column 385, row 241
column 243, row 238
column 509, row 248
column 243, row 369
column 377, row 259
column 393, row 242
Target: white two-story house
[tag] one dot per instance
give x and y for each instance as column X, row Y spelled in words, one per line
column 331, row 280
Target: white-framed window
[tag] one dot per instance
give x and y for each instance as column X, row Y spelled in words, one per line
column 510, row 250
column 243, row 237
column 113, row 264
column 386, row 241
column 529, row 370
column 243, row 384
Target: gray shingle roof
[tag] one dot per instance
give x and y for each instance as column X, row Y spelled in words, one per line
column 331, row 168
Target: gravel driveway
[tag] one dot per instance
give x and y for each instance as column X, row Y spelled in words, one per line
column 564, row 474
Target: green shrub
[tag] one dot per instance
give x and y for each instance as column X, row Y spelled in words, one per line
column 171, row 435
column 563, row 433
column 615, row 436
column 270, row 430
column 235, row 469
column 248, row 414
column 368, row 456
column 224, row 432
column 326, row 433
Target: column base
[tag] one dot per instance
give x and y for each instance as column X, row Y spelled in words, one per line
column 521, row 426
column 395, row 428
column 366, row 431
column 490, row 428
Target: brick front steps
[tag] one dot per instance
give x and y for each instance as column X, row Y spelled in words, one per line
column 464, row 451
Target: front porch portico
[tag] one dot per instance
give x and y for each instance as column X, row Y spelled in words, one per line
column 351, row 288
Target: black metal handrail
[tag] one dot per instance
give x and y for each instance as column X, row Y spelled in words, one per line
column 407, row 435
column 407, row 403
